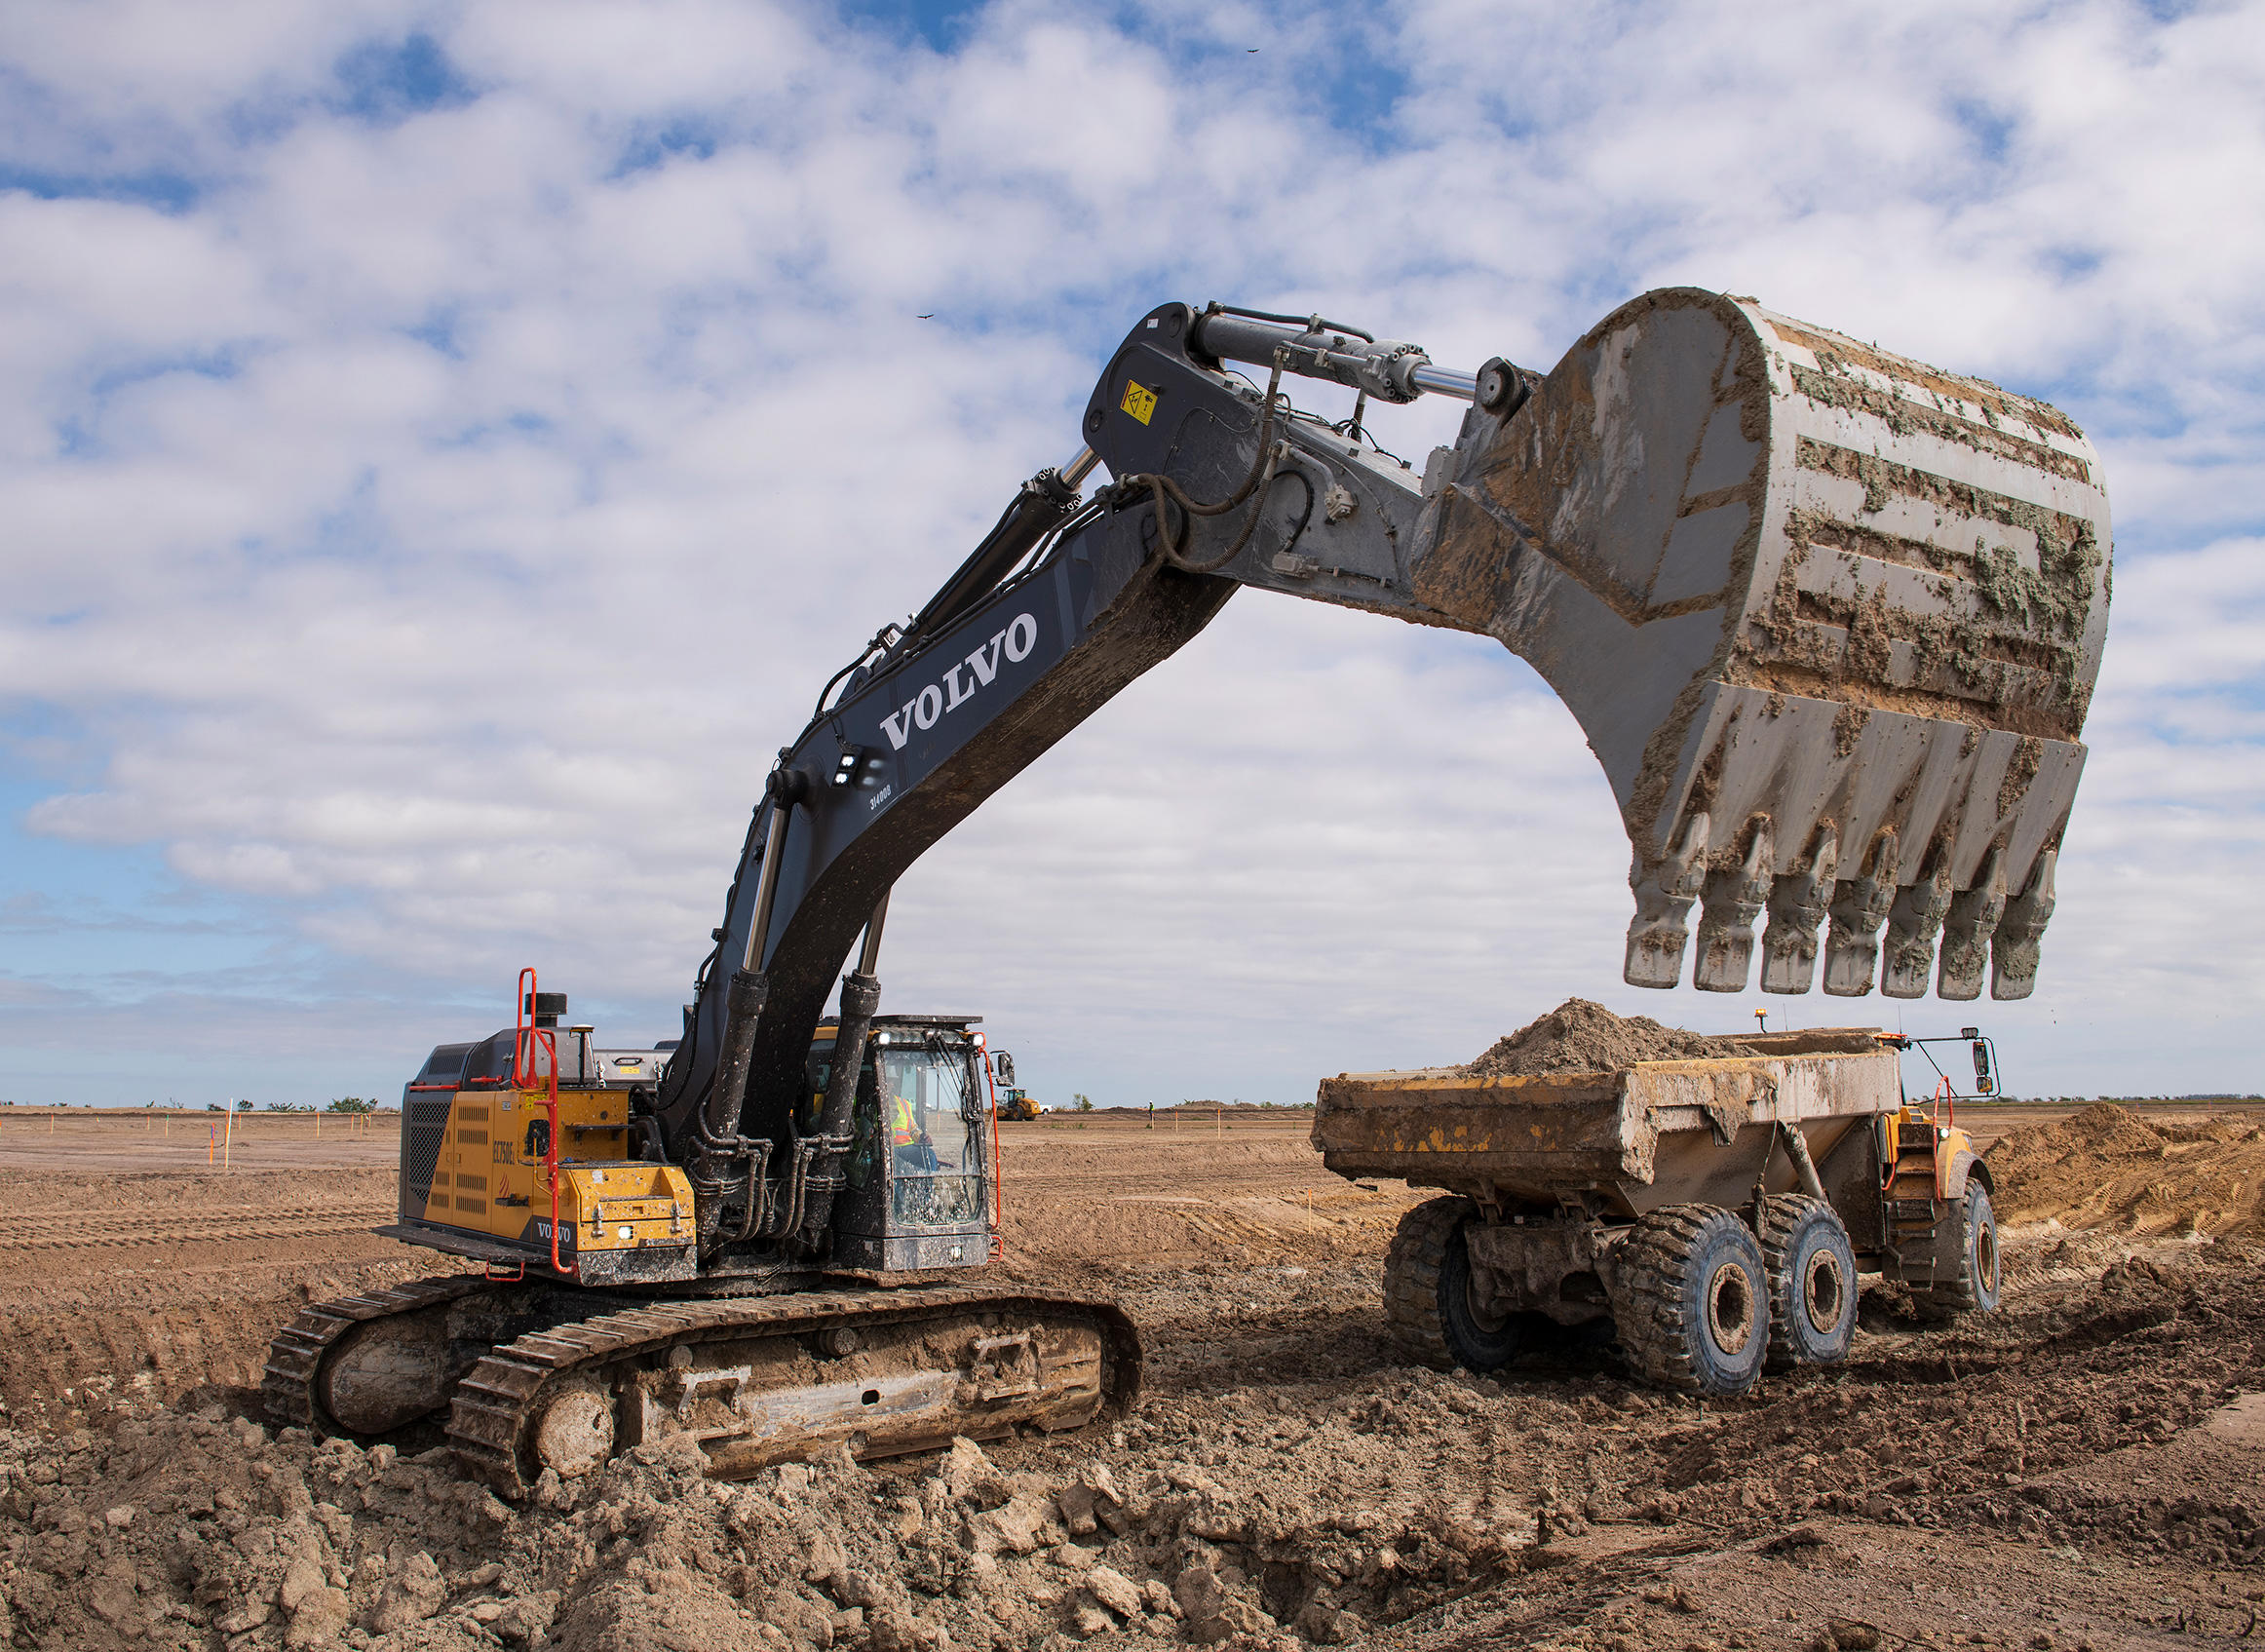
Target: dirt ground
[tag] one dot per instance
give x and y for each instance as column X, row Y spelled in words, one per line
column 2083, row 1471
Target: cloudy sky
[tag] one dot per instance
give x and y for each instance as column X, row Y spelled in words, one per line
column 446, row 446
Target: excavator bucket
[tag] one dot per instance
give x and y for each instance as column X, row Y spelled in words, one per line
column 1831, row 618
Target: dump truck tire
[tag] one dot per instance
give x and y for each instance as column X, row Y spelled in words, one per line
column 1427, row 1293
column 1813, row 1288
column 1691, row 1300
column 1966, row 1258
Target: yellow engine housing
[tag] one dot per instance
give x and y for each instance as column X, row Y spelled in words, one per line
column 490, row 1195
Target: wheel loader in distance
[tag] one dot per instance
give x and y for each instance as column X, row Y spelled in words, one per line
column 1015, row 1103
column 1830, row 619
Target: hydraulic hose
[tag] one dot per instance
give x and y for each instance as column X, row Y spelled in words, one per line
column 1262, row 470
column 1034, row 513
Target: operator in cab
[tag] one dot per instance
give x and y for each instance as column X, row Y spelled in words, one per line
column 909, row 1135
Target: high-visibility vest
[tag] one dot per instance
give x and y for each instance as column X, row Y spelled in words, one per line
column 905, row 1129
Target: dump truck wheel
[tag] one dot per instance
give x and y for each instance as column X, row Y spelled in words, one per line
column 1812, row 1290
column 1427, row 1293
column 1691, row 1300
column 1966, row 1258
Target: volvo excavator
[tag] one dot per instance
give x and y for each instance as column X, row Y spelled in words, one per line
column 1830, row 619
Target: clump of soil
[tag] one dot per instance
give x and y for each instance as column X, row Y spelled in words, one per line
column 1582, row 1037
column 2109, row 1168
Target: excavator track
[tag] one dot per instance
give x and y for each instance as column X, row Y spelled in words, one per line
column 295, row 1357
column 764, row 1379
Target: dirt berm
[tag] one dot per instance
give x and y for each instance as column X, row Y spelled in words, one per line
column 2109, row 1168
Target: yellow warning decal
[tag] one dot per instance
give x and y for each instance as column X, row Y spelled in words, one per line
column 1139, row 401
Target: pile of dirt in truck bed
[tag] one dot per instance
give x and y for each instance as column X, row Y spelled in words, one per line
column 2109, row 1168
column 1582, row 1037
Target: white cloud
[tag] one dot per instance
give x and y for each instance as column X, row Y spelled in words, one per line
column 434, row 523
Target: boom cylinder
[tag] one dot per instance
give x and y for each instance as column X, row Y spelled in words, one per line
column 749, row 986
column 860, row 996
column 870, row 955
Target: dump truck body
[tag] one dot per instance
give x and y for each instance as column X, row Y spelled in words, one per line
column 1630, row 1141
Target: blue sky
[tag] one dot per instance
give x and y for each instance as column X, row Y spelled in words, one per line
column 448, row 444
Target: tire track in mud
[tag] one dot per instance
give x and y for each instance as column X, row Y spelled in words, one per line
column 1154, row 1184
column 109, row 1230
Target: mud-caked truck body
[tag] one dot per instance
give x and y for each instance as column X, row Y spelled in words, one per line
column 1717, row 1212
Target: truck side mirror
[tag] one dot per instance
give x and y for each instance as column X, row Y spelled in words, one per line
column 1982, row 1066
column 1002, row 1064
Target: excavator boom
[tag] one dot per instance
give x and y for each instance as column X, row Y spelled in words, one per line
column 1830, row 619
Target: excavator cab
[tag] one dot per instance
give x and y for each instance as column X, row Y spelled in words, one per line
column 921, row 1185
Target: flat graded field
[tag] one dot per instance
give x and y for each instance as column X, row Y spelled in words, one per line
column 2085, row 1470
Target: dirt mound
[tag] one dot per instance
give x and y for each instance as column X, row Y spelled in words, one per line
column 2109, row 1168
column 1582, row 1037
column 175, row 1526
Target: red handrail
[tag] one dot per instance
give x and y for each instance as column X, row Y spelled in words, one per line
column 1946, row 1108
column 523, row 1031
column 527, row 1038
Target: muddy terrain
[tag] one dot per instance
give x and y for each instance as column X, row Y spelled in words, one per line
column 2085, row 1470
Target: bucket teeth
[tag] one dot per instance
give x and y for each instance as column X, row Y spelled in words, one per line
column 1797, row 906
column 1859, row 906
column 1734, row 900
column 1973, row 918
column 1912, row 925
column 1663, row 892
column 2013, row 953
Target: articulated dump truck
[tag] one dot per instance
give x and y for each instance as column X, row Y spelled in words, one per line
column 1830, row 619
column 1714, row 1210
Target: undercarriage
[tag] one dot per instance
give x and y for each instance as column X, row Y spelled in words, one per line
column 527, row 1378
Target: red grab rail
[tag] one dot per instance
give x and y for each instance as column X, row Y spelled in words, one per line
column 526, row 1039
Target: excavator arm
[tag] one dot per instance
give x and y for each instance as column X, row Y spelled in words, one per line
column 1830, row 619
